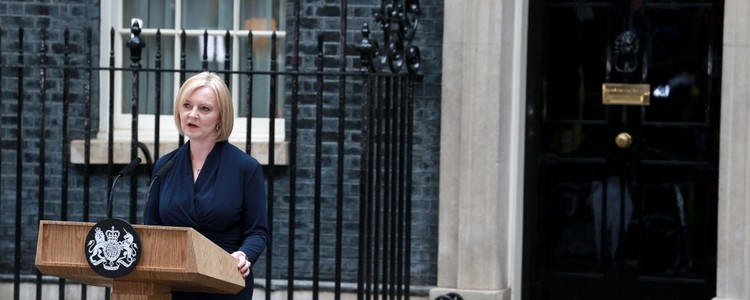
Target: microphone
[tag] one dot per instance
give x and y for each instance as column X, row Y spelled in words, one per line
column 168, row 165
column 125, row 171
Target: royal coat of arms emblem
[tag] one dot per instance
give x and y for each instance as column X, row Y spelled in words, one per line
column 112, row 248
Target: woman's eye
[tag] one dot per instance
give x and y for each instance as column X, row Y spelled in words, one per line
column 205, row 108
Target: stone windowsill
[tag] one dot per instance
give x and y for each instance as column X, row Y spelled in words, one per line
column 121, row 152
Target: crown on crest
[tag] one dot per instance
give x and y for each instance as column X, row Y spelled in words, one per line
column 112, row 234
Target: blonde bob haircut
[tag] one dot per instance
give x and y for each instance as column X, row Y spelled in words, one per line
column 223, row 99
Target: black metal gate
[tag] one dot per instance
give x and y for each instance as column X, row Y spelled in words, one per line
column 356, row 155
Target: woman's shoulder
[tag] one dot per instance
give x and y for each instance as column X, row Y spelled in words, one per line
column 236, row 155
column 181, row 150
column 166, row 157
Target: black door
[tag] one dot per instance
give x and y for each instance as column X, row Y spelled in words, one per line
column 620, row 200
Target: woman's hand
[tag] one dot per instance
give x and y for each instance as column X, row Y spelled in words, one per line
column 243, row 265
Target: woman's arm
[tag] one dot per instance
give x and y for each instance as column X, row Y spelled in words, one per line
column 255, row 216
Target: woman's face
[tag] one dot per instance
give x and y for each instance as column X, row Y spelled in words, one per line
column 199, row 115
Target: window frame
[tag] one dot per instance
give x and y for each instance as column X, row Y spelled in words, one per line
column 168, row 134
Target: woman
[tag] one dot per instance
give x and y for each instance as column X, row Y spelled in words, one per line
column 212, row 186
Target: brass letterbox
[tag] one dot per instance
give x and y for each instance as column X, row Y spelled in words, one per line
column 626, row 94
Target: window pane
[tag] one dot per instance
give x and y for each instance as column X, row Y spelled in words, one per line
column 206, row 14
column 261, row 15
column 256, row 15
column 215, row 52
column 261, row 83
column 155, row 14
column 147, row 80
column 147, row 93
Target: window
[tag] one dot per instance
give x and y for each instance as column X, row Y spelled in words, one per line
column 194, row 16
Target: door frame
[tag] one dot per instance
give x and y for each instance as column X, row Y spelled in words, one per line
column 466, row 39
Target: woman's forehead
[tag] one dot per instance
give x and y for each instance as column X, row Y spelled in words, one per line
column 202, row 94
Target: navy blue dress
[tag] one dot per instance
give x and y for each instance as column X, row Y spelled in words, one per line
column 227, row 204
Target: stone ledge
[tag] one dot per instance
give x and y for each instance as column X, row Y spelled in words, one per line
column 121, row 152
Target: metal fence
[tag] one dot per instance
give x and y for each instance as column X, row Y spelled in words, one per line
column 349, row 137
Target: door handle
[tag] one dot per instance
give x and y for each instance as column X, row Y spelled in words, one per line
column 623, row 140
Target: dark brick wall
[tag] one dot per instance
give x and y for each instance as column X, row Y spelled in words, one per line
column 38, row 19
column 316, row 18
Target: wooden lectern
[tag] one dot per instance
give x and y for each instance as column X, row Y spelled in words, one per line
column 172, row 259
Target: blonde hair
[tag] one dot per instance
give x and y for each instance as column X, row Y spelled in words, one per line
column 223, row 99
